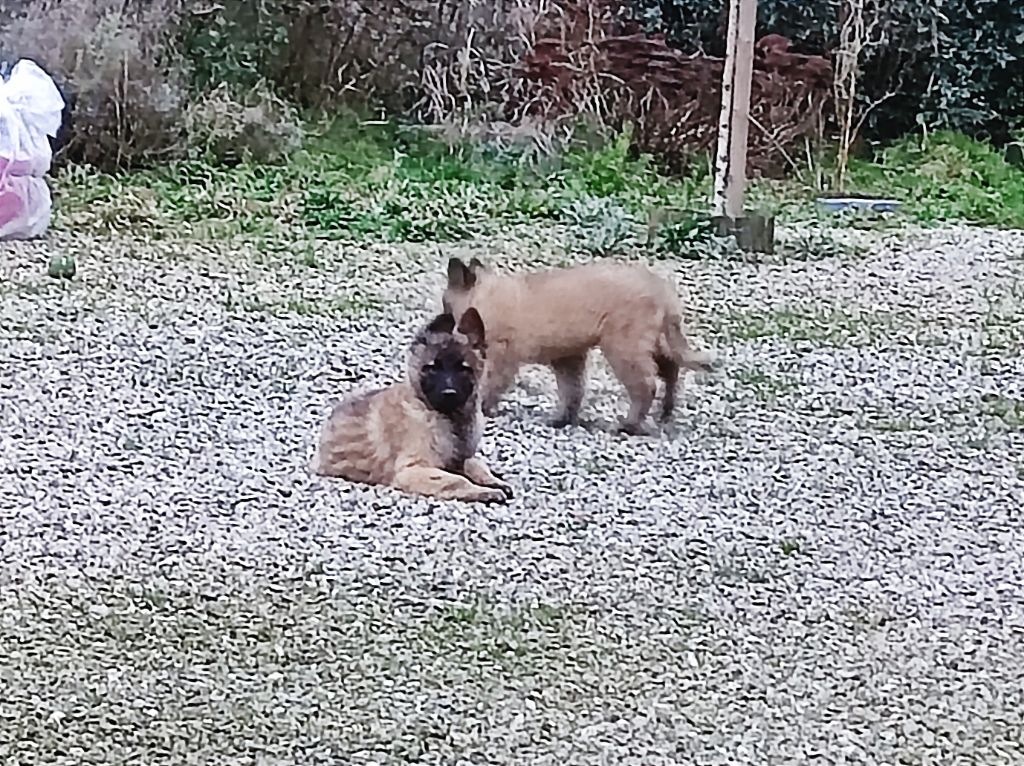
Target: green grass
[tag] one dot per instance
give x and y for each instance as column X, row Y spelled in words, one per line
column 356, row 181
column 995, row 414
column 767, row 388
column 1007, row 412
column 506, row 637
column 306, row 307
column 790, row 546
column 949, row 177
column 236, row 663
column 1003, row 328
column 837, row 326
column 380, row 182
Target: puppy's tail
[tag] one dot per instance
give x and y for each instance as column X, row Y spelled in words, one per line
column 673, row 345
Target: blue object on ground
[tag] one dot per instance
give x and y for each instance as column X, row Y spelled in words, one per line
column 835, row 204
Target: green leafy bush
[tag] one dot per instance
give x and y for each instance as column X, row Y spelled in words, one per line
column 947, row 177
column 237, row 42
column 943, row 62
column 600, row 225
column 358, row 181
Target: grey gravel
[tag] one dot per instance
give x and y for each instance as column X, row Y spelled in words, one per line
column 821, row 563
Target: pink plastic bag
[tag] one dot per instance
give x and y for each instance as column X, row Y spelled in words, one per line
column 25, row 206
column 30, row 113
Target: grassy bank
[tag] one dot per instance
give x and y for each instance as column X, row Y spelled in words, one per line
column 360, row 182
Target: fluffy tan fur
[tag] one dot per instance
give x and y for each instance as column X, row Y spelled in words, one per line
column 393, row 436
column 556, row 317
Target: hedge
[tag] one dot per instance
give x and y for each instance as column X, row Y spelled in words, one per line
column 956, row 64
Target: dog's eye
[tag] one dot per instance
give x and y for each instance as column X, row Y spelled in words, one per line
column 430, row 367
column 466, row 367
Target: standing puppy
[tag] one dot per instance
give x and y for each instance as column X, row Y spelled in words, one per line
column 556, row 317
column 419, row 435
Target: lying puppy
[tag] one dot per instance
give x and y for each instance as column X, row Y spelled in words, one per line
column 420, row 435
column 556, row 317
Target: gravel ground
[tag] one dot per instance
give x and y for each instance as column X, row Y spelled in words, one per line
column 821, row 563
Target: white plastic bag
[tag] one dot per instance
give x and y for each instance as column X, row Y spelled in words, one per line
column 30, row 113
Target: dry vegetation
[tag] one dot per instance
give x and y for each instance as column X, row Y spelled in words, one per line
column 158, row 81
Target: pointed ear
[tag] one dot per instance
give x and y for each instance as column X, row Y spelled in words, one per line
column 460, row 277
column 442, row 324
column 476, row 265
column 472, row 326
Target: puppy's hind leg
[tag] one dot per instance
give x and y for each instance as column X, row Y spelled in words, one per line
column 434, row 482
column 637, row 372
column 668, row 371
column 570, row 375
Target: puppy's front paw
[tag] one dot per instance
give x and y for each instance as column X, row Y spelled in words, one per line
column 505, row 488
column 490, row 495
column 494, row 481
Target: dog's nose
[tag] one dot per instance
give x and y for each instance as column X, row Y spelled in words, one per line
column 448, row 393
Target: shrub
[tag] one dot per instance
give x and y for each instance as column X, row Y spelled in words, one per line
column 947, row 177
column 435, row 58
column 258, row 127
column 945, row 63
column 589, row 63
column 118, row 61
column 600, row 226
column 236, row 42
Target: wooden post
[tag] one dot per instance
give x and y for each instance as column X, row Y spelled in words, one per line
column 734, row 119
column 733, row 129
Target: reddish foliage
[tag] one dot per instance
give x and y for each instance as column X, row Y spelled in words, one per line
column 673, row 99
